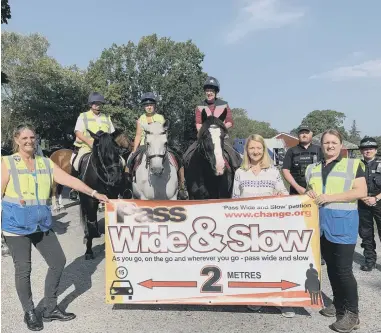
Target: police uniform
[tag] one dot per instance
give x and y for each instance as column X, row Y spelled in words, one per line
column 369, row 214
column 297, row 159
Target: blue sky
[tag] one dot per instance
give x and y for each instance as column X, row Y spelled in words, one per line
column 279, row 59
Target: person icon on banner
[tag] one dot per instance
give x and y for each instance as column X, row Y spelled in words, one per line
column 312, row 284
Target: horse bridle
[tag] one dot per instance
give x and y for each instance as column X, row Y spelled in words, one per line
column 150, row 157
column 106, row 168
column 202, row 151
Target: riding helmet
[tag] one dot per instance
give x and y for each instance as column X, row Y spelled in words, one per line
column 96, row 98
column 212, row 82
column 148, row 98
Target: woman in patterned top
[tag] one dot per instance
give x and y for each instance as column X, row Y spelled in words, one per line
column 257, row 177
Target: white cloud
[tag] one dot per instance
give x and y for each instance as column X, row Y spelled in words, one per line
column 370, row 68
column 255, row 15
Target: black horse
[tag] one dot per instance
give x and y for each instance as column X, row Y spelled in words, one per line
column 103, row 171
column 209, row 174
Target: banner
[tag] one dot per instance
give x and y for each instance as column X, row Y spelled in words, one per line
column 262, row 251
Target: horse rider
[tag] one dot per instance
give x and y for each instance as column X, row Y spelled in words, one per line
column 93, row 120
column 370, row 207
column 149, row 102
column 214, row 106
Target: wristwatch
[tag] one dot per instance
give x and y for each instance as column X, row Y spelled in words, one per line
column 377, row 199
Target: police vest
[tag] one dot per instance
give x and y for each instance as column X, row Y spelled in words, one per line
column 338, row 220
column 373, row 177
column 91, row 123
column 26, row 188
column 143, row 120
column 220, row 106
column 299, row 163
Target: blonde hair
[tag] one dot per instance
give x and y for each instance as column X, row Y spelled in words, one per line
column 265, row 161
column 16, row 133
column 334, row 132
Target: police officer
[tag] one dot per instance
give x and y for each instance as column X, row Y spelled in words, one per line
column 370, row 207
column 298, row 158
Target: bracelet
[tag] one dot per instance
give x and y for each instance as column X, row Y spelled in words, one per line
column 93, row 192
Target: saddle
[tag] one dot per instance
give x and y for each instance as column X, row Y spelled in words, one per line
column 78, row 159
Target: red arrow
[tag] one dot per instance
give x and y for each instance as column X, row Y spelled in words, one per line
column 284, row 284
column 169, row 284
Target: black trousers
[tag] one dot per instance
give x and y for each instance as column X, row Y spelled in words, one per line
column 339, row 259
column 47, row 244
column 368, row 215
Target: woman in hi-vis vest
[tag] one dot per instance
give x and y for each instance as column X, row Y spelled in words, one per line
column 26, row 183
column 336, row 184
column 148, row 101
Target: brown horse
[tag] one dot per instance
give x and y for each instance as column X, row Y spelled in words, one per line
column 62, row 158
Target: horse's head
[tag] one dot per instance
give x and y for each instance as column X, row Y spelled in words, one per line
column 211, row 141
column 107, row 154
column 156, row 143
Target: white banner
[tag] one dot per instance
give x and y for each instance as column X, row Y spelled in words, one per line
column 256, row 251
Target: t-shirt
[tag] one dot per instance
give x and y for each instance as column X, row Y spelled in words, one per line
column 267, row 183
column 80, row 124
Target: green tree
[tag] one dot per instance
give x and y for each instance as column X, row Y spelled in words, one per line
column 244, row 126
column 354, row 134
column 5, row 16
column 171, row 70
column 5, row 11
column 321, row 120
column 40, row 90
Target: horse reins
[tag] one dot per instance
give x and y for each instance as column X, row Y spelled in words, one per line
column 106, row 182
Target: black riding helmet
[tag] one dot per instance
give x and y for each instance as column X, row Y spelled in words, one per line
column 368, row 143
column 212, row 83
column 148, row 98
column 96, row 98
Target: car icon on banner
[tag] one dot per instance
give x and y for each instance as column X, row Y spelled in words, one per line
column 121, row 288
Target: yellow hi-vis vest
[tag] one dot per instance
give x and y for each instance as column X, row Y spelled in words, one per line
column 143, row 120
column 23, row 187
column 90, row 121
column 339, row 180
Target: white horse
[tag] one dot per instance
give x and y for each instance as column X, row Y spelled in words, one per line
column 156, row 175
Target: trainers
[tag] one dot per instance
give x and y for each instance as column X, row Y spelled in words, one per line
column 287, row 312
column 329, row 311
column 254, row 307
column 347, row 323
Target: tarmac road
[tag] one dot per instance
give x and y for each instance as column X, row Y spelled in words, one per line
column 82, row 291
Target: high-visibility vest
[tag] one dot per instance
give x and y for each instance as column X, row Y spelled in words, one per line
column 24, row 187
column 220, row 106
column 339, row 180
column 143, row 120
column 91, row 123
column 339, row 221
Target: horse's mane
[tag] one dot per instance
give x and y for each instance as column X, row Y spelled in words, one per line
column 208, row 123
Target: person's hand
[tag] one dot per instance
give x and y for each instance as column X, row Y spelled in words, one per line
column 101, row 197
column 323, row 199
column 301, row 190
column 370, row 201
column 312, row 194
